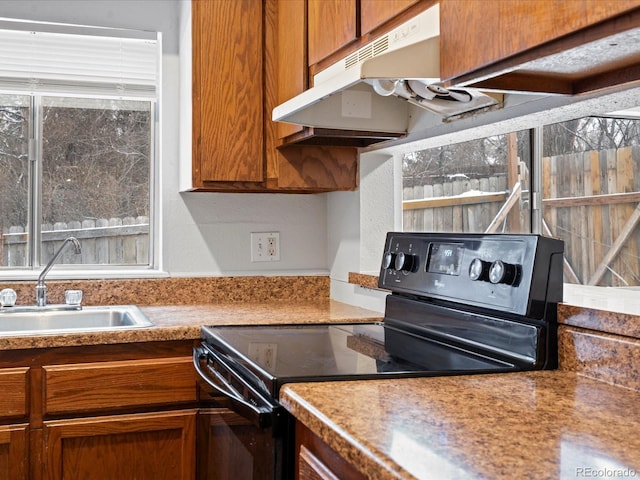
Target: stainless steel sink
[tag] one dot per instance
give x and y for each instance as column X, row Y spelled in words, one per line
column 51, row 320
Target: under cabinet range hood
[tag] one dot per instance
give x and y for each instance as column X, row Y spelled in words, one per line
column 372, row 89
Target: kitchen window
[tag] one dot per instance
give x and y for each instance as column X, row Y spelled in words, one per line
column 584, row 175
column 78, row 117
column 475, row 186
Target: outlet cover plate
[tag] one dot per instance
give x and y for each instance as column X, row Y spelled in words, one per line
column 265, row 246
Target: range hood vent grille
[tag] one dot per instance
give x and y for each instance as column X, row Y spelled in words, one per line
column 371, row 50
column 381, row 46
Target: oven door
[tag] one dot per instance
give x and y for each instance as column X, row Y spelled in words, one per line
column 242, row 433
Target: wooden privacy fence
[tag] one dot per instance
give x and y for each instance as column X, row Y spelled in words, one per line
column 114, row 241
column 591, row 200
column 460, row 205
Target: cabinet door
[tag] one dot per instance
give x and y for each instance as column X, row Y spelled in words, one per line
column 318, row 461
column 227, row 92
column 332, row 25
column 152, row 445
column 290, row 57
column 311, row 468
column 375, row 12
column 13, row 452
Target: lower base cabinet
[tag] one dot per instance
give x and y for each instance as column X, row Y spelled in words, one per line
column 100, row 412
column 145, row 446
column 14, row 451
column 315, row 460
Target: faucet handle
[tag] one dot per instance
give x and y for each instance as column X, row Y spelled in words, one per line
column 8, row 297
column 73, row 297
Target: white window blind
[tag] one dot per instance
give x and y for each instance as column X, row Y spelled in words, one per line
column 59, row 59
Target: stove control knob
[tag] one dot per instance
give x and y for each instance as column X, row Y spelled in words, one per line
column 389, row 260
column 479, row 270
column 501, row 272
column 406, row 262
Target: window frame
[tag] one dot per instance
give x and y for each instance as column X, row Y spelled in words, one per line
column 81, row 271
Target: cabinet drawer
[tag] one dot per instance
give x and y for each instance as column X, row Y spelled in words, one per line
column 13, row 385
column 114, row 385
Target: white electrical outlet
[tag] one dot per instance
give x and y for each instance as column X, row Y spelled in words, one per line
column 265, row 246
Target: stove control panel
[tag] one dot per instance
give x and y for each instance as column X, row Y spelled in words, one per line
column 514, row 273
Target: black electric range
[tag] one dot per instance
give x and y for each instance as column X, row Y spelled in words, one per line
column 459, row 304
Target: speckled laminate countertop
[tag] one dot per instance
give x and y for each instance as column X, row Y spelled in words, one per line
column 535, row 425
column 183, row 322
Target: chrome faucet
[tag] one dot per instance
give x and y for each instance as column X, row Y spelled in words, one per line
column 41, row 288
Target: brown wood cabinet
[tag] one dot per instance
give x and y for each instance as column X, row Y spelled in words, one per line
column 315, row 460
column 14, row 457
column 151, row 445
column 228, row 124
column 13, row 385
column 291, row 50
column 249, row 56
column 332, row 25
column 117, row 385
column 374, row 13
column 99, row 412
column 567, row 47
column 14, row 430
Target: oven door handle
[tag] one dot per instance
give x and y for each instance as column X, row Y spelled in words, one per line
column 262, row 416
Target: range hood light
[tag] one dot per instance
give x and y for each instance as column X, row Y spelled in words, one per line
column 420, row 91
column 445, row 93
column 384, row 87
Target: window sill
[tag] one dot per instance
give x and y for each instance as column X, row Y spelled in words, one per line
column 69, row 274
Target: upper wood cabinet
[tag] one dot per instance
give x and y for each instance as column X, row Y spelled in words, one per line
column 564, row 47
column 248, row 56
column 332, row 25
column 291, row 56
column 374, row 13
column 228, row 121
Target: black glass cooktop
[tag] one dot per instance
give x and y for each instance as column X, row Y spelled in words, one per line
column 297, row 353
